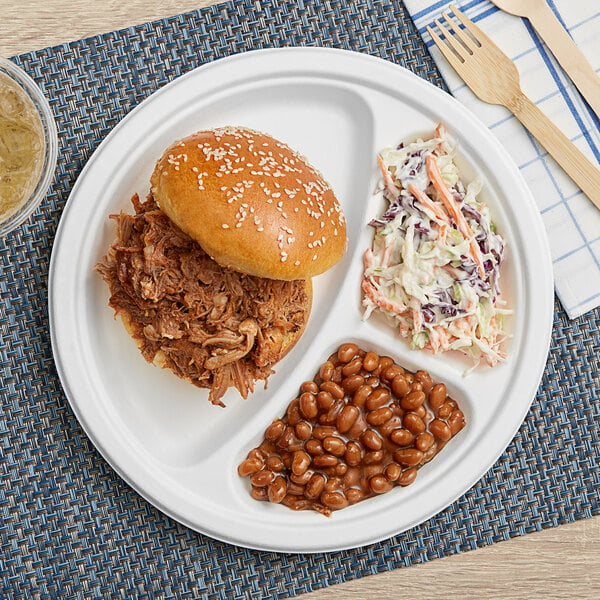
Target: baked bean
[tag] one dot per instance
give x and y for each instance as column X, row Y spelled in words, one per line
column 407, row 476
column 400, row 386
column 332, row 484
column 361, row 394
column 379, row 416
column 266, row 448
column 334, row 500
column 371, row 440
column 293, row 413
column 351, row 477
column 249, row 466
column 328, row 418
column 424, row 441
column 274, row 430
column 370, row 361
column 326, row 371
column 413, row 423
column 353, row 367
column 379, row 484
column 425, row 379
column 421, row 411
column 377, row 398
column 334, row 445
column 322, row 431
column 445, row 410
column 315, row 486
column 309, row 386
column 353, row 454
column 303, row 430
column 335, row 389
column 347, row 418
column 440, row 430
column 347, row 352
column 352, row 383
column 295, row 489
column 412, row 400
column 392, row 471
column 314, row 447
column 308, row 405
column 286, row 438
column 258, row 454
column 340, row 469
column 325, row 460
column 286, row 458
column 402, row 437
column 262, row 478
column 325, row 400
column 361, row 427
column 390, row 372
column 430, row 453
column 354, row 495
column 437, row 395
column 384, row 363
column 373, row 457
column 295, row 503
column 456, row 421
column 274, row 463
column 302, row 479
column 259, row 493
column 394, row 423
column 408, row 457
column 300, row 462
column 277, row 489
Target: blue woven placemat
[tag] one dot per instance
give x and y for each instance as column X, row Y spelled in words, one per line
column 69, row 526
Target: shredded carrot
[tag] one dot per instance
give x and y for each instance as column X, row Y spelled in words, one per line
column 427, row 202
column 380, row 300
column 440, row 131
column 388, row 180
column 448, row 201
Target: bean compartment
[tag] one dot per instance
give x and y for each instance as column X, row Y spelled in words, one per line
column 363, row 426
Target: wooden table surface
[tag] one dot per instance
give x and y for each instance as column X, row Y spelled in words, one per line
column 559, row 563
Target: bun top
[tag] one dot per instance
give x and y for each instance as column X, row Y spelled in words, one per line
column 252, row 203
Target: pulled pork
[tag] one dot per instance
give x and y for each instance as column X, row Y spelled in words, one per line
column 210, row 325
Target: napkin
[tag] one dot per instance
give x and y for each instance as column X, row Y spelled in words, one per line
column 572, row 222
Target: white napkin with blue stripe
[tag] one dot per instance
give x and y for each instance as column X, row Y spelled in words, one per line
column 572, row 221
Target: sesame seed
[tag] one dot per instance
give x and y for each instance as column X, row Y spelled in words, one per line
column 225, row 226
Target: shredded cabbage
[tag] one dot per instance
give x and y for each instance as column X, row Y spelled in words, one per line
column 434, row 266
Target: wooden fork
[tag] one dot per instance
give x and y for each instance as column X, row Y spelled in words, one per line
column 494, row 78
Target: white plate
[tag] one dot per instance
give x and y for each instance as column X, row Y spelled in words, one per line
column 159, row 433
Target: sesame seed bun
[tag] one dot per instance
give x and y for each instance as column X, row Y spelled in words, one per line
column 252, row 203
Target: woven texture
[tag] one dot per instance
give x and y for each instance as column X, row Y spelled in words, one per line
column 69, row 526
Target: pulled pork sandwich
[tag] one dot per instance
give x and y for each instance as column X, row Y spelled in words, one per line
column 212, row 274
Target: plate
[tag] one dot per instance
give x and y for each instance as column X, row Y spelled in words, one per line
column 159, row 433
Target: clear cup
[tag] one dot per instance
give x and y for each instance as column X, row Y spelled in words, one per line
column 50, row 154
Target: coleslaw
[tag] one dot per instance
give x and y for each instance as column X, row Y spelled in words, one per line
column 434, row 266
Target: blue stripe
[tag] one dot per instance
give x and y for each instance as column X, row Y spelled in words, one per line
column 585, row 301
column 575, row 250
